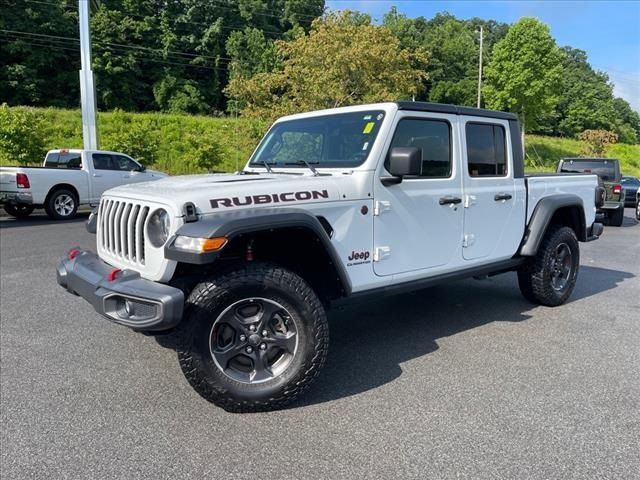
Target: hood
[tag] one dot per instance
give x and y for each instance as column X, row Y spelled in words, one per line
column 219, row 192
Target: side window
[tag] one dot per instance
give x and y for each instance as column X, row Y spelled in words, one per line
column 70, row 160
column 433, row 138
column 486, row 150
column 102, row 161
column 124, row 163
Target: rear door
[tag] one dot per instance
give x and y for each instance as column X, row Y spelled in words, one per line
column 418, row 222
column 494, row 201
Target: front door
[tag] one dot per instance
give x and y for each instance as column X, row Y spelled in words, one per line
column 418, row 222
column 106, row 175
column 494, row 201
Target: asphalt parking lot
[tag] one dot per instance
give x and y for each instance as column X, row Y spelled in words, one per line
column 466, row 380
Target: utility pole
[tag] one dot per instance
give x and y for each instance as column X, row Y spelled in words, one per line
column 480, row 68
column 87, row 88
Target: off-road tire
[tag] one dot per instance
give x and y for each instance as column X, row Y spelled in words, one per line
column 210, row 299
column 18, row 211
column 50, row 204
column 535, row 277
column 616, row 217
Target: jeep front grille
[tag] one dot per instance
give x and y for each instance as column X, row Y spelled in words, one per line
column 121, row 230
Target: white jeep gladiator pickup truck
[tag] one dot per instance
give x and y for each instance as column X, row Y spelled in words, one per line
column 333, row 206
column 66, row 180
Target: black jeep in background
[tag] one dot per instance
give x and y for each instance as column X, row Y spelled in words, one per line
column 609, row 176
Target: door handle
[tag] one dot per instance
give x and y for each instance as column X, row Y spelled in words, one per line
column 502, row 196
column 96, row 175
column 449, row 200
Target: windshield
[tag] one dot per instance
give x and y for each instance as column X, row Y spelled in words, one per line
column 339, row 140
column 603, row 168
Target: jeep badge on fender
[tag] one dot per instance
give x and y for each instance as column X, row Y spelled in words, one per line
column 241, row 267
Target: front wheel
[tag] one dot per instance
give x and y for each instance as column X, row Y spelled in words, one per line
column 252, row 339
column 18, row 211
column 550, row 277
column 638, row 210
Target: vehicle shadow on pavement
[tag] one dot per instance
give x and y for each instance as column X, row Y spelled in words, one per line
column 370, row 342
column 35, row 220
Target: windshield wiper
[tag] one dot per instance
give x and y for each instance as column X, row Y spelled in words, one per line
column 266, row 165
column 309, row 166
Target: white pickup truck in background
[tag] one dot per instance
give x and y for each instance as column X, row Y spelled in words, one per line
column 66, row 180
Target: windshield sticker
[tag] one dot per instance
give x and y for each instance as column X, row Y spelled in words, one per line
column 367, row 117
column 368, row 127
column 380, row 116
column 365, row 146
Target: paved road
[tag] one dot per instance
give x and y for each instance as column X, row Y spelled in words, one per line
column 460, row 381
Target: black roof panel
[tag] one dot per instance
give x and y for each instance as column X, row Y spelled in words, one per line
column 455, row 109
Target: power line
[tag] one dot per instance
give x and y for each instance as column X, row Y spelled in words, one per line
column 274, row 33
column 60, row 47
column 119, row 45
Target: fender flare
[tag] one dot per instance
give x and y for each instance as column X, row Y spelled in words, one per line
column 234, row 224
column 541, row 217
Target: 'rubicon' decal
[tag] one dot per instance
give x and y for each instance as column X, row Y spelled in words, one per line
column 268, row 198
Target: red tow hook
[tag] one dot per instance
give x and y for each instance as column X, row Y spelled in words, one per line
column 113, row 274
column 73, row 253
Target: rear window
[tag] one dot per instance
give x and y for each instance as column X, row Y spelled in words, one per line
column 605, row 169
column 63, row 160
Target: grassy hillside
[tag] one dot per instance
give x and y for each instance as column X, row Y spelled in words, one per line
column 542, row 153
column 173, row 137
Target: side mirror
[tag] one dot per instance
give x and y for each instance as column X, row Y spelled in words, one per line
column 403, row 161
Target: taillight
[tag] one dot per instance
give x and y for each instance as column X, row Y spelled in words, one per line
column 22, row 180
column 617, row 189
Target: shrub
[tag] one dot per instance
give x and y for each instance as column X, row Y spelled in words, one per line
column 22, row 136
column 137, row 138
column 203, row 153
column 596, row 141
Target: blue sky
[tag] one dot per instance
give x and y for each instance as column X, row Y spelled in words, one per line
column 609, row 31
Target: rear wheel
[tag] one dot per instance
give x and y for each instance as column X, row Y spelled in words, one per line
column 62, row 205
column 616, row 217
column 19, row 211
column 252, row 339
column 550, row 277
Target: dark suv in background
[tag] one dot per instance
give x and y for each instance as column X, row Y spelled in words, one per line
column 630, row 185
column 609, row 177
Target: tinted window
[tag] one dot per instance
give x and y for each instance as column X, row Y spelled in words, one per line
column 102, row 161
column 432, row 137
column 124, row 163
column 63, row 160
column 339, row 140
column 486, row 150
column 603, row 168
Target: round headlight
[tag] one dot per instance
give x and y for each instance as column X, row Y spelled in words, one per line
column 158, row 228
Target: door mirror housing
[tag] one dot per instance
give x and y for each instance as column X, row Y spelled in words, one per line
column 403, row 161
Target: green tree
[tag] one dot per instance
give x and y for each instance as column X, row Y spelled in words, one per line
column 251, row 53
column 525, row 73
column 36, row 69
column 627, row 121
column 340, row 62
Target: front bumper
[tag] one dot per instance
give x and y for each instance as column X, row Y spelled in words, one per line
column 15, row 198
column 121, row 296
